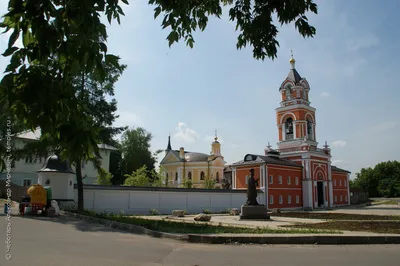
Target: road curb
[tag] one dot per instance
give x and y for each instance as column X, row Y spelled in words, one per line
column 296, row 240
column 243, row 239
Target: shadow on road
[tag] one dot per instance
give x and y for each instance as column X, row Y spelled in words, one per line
column 80, row 225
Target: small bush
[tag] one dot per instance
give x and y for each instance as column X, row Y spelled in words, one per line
column 207, row 211
column 154, row 212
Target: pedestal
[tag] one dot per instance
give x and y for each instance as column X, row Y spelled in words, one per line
column 254, row 212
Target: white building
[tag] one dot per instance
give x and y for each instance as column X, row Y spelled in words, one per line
column 23, row 172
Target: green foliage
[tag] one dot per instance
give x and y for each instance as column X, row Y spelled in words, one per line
column 154, row 212
column 136, row 150
column 209, row 183
column 382, row 180
column 138, row 178
column 104, row 177
column 62, row 40
column 158, row 177
column 207, row 211
column 188, row 183
column 254, row 20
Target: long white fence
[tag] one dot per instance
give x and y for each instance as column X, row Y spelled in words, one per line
column 135, row 200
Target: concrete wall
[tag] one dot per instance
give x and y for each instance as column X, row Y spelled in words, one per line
column 140, row 200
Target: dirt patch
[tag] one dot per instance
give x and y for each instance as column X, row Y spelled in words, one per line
column 337, row 216
column 386, row 227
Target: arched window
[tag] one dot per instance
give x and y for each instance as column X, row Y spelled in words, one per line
column 190, row 175
column 309, row 129
column 202, row 175
column 289, row 128
column 176, row 176
column 217, row 177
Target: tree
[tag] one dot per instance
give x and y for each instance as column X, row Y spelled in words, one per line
column 104, row 177
column 135, row 148
column 209, row 183
column 381, row 180
column 138, row 178
column 61, row 39
column 159, row 177
column 254, row 20
column 187, row 183
column 116, row 164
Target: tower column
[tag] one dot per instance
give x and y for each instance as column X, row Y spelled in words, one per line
column 283, row 132
column 330, row 189
column 294, row 130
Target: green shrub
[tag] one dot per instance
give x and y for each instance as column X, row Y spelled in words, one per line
column 207, row 211
column 154, row 212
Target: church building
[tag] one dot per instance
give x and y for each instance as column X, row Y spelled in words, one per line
column 180, row 165
column 298, row 174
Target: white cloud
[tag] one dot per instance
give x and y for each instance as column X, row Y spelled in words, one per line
column 361, row 42
column 384, row 126
column 127, row 118
column 325, row 94
column 339, row 144
column 184, row 133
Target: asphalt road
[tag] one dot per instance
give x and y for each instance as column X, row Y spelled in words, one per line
column 62, row 242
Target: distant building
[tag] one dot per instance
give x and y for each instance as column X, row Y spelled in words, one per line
column 180, row 165
column 23, row 172
column 298, row 174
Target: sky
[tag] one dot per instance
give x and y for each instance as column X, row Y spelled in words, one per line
column 351, row 65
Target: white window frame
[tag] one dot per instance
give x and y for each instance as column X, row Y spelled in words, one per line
column 246, row 179
column 280, row 179
column 341, row 198
column 280, row 199
column 289, row 180
column 340, row 182
column 297, row 199
column 289, row 199
column 345, row 183
column 271, row 199
column 296, row 180
column 271, row 179
column 345, row 198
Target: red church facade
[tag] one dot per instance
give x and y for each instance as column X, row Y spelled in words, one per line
column 298, row 174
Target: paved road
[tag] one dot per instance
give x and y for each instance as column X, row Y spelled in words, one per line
column 65, row 241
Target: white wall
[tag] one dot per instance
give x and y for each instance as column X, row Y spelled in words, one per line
column 142, row 200
column 91, row 172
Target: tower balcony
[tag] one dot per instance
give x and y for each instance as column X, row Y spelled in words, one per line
column 289, row 136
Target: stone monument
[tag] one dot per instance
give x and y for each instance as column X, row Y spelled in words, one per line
column 253, row 210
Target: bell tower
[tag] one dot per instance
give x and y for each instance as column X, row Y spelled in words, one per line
column 295, row 116
column 216, row 146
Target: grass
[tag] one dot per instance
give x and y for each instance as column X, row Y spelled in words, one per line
column 387, row 227
column 196, row 228
column 337, row 216
column 385, row 202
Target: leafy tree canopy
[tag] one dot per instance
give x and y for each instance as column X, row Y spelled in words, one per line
column 138, row 178
column 135, row 147
column 254, row 20
column 61, row 40
column 381, row 180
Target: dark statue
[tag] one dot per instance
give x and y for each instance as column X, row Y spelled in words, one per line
column 252, row 189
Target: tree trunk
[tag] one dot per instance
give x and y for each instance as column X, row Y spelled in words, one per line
column 79, row 181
